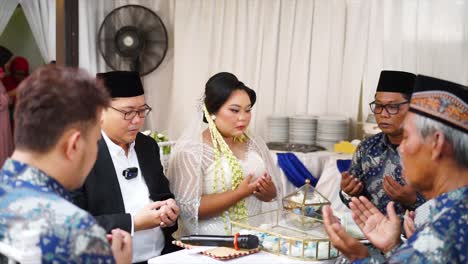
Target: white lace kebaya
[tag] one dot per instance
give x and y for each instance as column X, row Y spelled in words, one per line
column 192, row 173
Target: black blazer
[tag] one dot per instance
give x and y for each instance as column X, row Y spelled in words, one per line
column 100, row 195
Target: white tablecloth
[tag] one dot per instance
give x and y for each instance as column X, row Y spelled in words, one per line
column 184, row 256
column 322, row 165
column 329, row 183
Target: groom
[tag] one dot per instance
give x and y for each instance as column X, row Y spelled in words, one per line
column 127, row 188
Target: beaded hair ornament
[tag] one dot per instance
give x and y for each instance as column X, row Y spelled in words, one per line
column 220, row 147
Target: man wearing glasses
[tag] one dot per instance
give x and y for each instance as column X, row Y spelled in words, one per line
column 376, row 171
column 127, row 188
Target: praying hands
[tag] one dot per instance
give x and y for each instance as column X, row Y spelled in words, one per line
column 404, row 194
column 382, row 231
column 265, row 189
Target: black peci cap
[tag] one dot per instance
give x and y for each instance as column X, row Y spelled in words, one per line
column 122, row 83
column 396, row 82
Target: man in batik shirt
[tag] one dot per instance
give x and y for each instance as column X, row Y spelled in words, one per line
column 434, row 154
column 57, row 129
column 376, row 171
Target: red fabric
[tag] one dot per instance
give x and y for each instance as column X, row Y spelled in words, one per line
column 10, row 83
column 19, row 64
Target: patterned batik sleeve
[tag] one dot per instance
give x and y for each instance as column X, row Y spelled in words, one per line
column 374, row 259
column 87, row 242
column 355, row 170
column 419, row 200
column 443, row 241
column 356, row 165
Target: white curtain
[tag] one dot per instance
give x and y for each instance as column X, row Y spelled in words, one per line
column 91, row 14
column 41, row 19
column 290, row 52
column 422, row 36
column 312, row 56
column 300, row 56
column 7, row 8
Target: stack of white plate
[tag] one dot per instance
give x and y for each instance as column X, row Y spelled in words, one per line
column 302, row 129
column 278, row 128
column 331, row 130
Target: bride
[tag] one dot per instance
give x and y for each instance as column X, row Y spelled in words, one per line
column 218, row 170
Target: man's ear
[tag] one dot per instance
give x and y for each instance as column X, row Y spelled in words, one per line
column 438, row 144
column 104, row 113
column 72, row 142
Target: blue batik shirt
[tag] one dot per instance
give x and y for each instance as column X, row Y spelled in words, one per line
column 375, row 157
column 38, row 220
column 443, row 238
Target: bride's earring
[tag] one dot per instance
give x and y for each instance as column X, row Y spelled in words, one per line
column 213, row 117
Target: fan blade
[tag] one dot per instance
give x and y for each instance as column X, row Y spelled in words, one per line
column 159, row 44
column 150, row 25
column 107, row 39
column 155, row 35
column 140, row 16
column 111, row 60
column 154, row 53
column 147, row 64
column 108, row 31
column 125, row 17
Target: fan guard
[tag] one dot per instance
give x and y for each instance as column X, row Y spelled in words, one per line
column 133, row 38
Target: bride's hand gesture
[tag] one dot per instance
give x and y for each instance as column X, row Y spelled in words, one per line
column 246, row 187
column 265, row 189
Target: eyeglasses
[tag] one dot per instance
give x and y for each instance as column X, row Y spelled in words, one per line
column 142, row 113
column 392, row 109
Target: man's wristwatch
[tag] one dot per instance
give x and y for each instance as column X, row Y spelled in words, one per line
column 345, row 198
column 345, row 195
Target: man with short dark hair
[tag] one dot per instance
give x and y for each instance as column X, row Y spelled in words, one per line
column 376, row 171
column 57, row 129
column 127, row 187
column 434, row 155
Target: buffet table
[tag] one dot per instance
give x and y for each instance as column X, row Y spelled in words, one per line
column 186, row 256
column 322, row 164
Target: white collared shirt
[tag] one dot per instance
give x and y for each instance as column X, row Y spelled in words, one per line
column 146, row 243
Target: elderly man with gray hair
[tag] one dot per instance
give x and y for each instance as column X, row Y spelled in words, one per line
column 434, row 156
